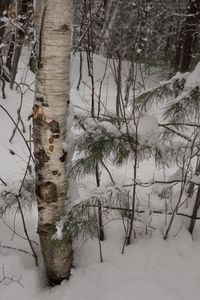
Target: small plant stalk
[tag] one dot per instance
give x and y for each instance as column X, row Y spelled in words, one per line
column 195, row 211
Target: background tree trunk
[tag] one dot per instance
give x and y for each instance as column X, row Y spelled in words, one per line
column 23, row 8
column 53, row 21
column 3, row 6
column 188, row 37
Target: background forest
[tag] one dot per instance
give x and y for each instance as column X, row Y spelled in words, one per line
column 100, row 153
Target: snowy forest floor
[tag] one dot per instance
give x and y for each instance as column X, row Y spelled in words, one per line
column 150, row 268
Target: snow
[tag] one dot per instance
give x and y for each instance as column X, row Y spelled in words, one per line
column 195, row 179
column 193, row 79
column 141, row 272
column 148, row 126
column 150, row 268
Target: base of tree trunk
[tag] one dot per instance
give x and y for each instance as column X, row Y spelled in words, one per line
column 57, row 255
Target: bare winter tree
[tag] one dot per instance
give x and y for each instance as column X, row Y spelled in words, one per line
column 51, row 107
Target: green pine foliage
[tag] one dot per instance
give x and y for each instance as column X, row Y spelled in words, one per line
column 81, row 219
column 180, row 96
column 166, row 90
column 116, row 139
column 99, row 143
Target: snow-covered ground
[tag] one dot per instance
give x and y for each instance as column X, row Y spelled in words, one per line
column 150, row 268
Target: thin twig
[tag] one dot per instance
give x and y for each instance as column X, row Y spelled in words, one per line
column 160, row 212
column 16, row 233
column 5, row 277
column 23, row 137
column 15, row 249
column 3, row 181
column 25, row 230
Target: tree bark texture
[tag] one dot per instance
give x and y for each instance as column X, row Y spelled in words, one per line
column 51, row 107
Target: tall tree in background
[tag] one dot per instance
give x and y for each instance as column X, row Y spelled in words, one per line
column 3, row 6
column 24, row 11
column 51, row 107
column 188, row 37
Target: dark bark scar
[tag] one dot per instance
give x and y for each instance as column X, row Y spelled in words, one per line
column 54, row 127
column 47, row 192
column 63, row 157
column 51, row 147
column 50, row 140
column 41, row 157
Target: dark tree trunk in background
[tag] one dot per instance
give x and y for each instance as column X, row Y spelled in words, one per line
column 23, row 9
column 3, row 6
column 195, row 211
column 10, row 53
column 188, row 37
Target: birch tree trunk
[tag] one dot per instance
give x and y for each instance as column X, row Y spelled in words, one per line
column 51, row 107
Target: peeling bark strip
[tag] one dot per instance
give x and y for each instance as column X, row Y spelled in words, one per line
column 38, row 113
column 53, row 22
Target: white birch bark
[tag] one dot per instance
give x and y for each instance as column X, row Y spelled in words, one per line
column 53, row 22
